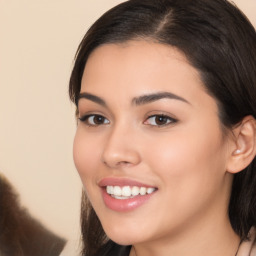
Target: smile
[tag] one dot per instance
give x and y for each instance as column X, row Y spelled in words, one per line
column 127, row 192
column 122, row 194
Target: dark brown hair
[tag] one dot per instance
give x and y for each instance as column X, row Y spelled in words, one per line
column 220, row 42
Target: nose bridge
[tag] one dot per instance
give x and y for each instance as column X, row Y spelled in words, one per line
column 120, row 146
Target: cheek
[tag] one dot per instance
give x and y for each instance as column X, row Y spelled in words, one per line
column 191, row 169
column 86, row 155
column 189, row 161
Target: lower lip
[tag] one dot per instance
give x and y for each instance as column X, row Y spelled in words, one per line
column 124, row 205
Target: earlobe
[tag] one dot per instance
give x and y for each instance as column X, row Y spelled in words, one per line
column 243, row 149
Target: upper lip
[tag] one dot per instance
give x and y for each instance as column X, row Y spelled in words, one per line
column 114, row 181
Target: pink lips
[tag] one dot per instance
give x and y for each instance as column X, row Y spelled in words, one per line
column 123, row 205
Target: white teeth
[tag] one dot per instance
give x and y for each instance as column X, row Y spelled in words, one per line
column 109, row 189
column 150, row 190
column 121, row 197
column 117, row 191
column 143, row 191
column 135, row 191
column 127, row 191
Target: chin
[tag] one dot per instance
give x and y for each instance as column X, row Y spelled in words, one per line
column 123, row 235
column 123, row 239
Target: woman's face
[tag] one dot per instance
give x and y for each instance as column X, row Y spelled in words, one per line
column 149, row 147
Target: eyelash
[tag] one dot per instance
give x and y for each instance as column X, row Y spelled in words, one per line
column 167, row 119
column 85, row 119
column 103, row 120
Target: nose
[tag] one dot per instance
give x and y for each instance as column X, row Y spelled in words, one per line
column 121, row 149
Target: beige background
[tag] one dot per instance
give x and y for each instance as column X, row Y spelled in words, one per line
column 38, row 40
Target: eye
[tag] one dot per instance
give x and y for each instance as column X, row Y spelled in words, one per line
column 94, row 120
column 159, row 120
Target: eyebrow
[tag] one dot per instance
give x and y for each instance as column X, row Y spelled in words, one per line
column 141, row 100
column 91, row 97
column 148, row 98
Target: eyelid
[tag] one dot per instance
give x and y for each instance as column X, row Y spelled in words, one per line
column 171, row 119
column 85, row 118
column 82, row 113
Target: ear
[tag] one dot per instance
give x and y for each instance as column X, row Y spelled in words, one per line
column 243, row 145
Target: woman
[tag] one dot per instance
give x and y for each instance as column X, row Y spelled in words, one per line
column 165, row 144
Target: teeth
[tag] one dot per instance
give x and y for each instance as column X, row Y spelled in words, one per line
column 127, row 191
column 143, row 191
column 135, row 191
column 109, row 189
column 150, row 190
column 117, row 191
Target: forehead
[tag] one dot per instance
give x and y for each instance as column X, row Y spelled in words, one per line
column 141, row 54
column 138, row 67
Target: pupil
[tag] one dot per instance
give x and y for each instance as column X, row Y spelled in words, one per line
column 98, row 120
column 161, row 120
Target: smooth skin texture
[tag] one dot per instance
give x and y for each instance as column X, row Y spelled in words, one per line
column 185, row 155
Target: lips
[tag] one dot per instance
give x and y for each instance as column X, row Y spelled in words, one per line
column 125, row 195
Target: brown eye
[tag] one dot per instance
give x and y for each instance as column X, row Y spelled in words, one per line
column 94, row 120
column 98, row 119
column 160, row 120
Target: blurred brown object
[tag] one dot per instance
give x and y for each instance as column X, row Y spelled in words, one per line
column 20, row 233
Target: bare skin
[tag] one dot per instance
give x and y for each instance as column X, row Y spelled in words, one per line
column 174, row 143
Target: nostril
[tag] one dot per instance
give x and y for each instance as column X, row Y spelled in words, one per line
column 124, row 162
column 118, row 164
